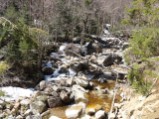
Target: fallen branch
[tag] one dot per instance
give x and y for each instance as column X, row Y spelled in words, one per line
column 149, row 92
column 113, row 101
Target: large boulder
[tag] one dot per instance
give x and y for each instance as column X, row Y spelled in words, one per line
column 37, row 116
column 86, row 117
column 80, row 66
column 19, row 117
column 93, row 47
column 54, row 56
column 54, row 117
column 70, row 49
column 110, row 59
column 47, row 70
column 78, row 93
column 111, row 42
column 65, row 97
column 81, row 82
column 38, row 106
column 100, row 115
column 54, row 102
column 74, row 111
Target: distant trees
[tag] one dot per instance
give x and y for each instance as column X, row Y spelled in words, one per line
column 69, row 18
column 48, row 20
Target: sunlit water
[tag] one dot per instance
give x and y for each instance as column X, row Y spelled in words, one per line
column 95, row 100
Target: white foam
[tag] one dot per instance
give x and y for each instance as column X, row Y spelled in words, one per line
column 14, row 93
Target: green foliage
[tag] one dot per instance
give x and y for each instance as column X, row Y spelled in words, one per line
column 2, row 93
column 144, row 44
column 20, row 44
column 88, row 2
column 143, row 12
column 141, row 76
column 136, row 78
column 4, row 66
column 13, row 14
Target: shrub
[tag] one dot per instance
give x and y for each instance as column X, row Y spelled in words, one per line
column 2, row 93
column 141, row 76
column 143, row 44
column 21, row 48
column 4, row 66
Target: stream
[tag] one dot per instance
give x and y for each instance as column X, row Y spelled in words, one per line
column 78, row 82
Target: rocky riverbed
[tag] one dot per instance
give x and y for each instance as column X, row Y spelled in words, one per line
column 79, row 83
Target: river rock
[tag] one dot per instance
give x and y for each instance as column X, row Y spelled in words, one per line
column 90, row 111
column 41, row 97
column 27, row 112
column 110, row 59
column 79, row 93
column 47, row 70
column 69, row 82
column 100, row 115
column 100, row 59
column 25, row 102
column 2, row 104
column 86, row 117
column 74, row 111
column 125, row 45
column 80, row 66
column 48, row 90
column 42, row 85
column 54, row 56
column 112, row 42
column 70, row 49
column 38, row 106
column 112, row 116
column 93, row 47
column 56, row 88
column 76, row 39
column 2, row 115
column 15, row 108
column 19, row 117
column 81, row 82
column 37, row 116
column 54, row 101
column 65, row 96
column 2, row 57
column 54, row 117
column 118, row 105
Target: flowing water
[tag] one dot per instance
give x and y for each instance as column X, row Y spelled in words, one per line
column 96, row 100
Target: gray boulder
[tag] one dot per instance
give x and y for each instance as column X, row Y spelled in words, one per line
column 54, row 102
column 37, row 116
column 54, row 117
column 65, row 96
column 74, row 111
column 47, row 70
column 78, row 93
column 38, row 106
column 81, row 82
column 110, row 59
column 42, row 85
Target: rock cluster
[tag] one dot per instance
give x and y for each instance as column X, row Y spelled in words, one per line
column 69, row 75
